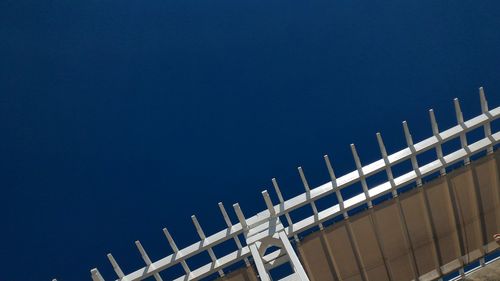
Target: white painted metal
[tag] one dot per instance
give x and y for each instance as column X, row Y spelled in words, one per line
column 273, row 234
column 280, row 198
column 409, row 143
column 258, row 227
column 201, row 233
column 146, row 259
column 269, row 204
column 388, row 169
column 361, row 175
column 335, row 187
column 239, row 214
column 439, row 149
column 229, row 225
column 96, row 276
column 116, row 267
column 300, row 273
column 484, row 109
column 308, row 191
column 263, row 274
column 289, row 278
column 463, row 136
column 176, row 250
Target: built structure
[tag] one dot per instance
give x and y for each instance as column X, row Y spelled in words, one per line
column 446, row 222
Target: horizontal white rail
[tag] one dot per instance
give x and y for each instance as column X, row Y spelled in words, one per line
column 332, row 187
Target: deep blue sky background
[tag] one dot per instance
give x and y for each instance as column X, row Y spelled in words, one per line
column 121, row 117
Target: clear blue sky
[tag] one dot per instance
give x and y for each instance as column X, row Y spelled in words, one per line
column 118, row 118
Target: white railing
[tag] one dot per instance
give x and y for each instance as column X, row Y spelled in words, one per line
column 309, row 197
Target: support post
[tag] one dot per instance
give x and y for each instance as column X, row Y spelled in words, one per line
column 146, row 259
column 116, row 267
column 335, row 187
column 362, row 177
column 463, row 136
column 263, row 275
column 487, row 126
column 439, row 149
column 282, row 201
column 269, row 203
column 414, row 162
column 294, row 259
column 308, row 192
column 240, row 215
column 229, row 225
column 176, row 250
column 96, row 275
column 210, row 251
column 388, row 169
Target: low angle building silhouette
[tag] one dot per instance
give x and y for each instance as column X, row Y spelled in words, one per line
column 432, row 222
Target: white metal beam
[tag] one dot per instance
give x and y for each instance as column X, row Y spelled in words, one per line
column 334, row 186
column 210, row 251
column 280, row 198
column 484, row 110
column 116, row 267
column 261, row 269
column 294, row 260
column 172, row 244
column 229, row 225
column 308, row 191
column 460, row 121
column 414, row 162
column 361, row 174
column 146, row 259
column 439, row 149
